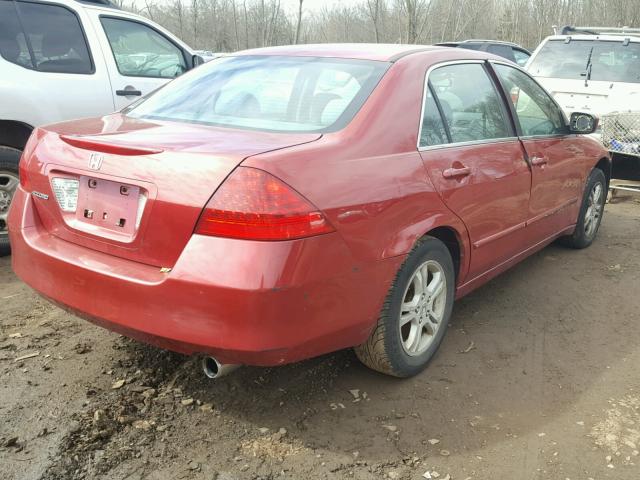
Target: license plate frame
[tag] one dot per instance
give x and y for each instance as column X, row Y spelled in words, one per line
column 108, row 205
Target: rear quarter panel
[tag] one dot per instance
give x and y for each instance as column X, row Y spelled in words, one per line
column 369, row 178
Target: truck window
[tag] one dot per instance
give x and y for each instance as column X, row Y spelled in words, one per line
column 13, row 46
column 56, row 39
column 610, row 61
column 140, row 51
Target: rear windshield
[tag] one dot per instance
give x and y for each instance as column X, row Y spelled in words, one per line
column 609, row 61
column 270, row 93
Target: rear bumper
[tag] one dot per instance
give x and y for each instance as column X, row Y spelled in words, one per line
column 256, row 303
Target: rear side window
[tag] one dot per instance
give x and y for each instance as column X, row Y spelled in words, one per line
column 472, row 108
column 57, row 43
column 471, row 46
column 13, row 46
column 521, row 57
column 504, row 51
column 140, row 51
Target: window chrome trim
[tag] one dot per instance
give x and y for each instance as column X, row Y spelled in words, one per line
column 425, row 90
column 543, row 137
column 428, row 148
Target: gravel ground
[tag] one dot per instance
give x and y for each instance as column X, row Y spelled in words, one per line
column 536, row 379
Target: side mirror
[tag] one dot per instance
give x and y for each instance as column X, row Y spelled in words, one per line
column 582, row 123
column 197, row 60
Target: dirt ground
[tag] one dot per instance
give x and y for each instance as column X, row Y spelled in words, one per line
column 537, row 378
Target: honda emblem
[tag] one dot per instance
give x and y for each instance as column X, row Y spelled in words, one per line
column 95, row 161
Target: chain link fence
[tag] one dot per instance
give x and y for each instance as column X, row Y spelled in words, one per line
column 621, row 132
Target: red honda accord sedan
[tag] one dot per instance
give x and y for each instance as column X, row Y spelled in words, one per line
column 280, row 203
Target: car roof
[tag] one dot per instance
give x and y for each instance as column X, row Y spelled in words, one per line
column 384, row 52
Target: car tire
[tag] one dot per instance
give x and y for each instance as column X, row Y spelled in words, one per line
column 9, row 160
column 415, row 314
column 591, row 212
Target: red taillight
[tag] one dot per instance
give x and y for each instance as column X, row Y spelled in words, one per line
column 30, row 146
column 22, row 172
column 252, row 204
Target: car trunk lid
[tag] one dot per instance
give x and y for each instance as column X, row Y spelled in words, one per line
column 139, row 186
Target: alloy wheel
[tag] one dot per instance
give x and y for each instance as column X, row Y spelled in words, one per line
column 8, row 184
column 423, row 308
column 595, row 206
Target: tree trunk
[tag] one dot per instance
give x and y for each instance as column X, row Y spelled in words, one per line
column 297, row 39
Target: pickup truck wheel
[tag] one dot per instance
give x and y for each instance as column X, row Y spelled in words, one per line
column 9, row 180
column 591, row 212
column 415, row 314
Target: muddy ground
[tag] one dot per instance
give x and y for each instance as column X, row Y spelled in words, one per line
column 538, row 378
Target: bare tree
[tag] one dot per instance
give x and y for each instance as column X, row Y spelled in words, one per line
column 299, row 24
column 148, row 7
column 246, row 25
column 236, row 24
column 373, row 7
column 179, row 15
column 195, row 12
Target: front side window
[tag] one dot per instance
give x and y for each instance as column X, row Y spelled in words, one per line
column 52, row 40
column 470, row 103
column 140, row 51
column 271, row 93
column 537, row 113
column 520, row 56
column 597, row 60
column 13, row 46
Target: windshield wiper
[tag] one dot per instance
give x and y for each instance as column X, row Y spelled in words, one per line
column 587, row 72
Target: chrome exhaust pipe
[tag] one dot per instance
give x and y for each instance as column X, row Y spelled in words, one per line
column 212, row 368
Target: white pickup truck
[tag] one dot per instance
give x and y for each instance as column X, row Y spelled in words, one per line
column 65, row 59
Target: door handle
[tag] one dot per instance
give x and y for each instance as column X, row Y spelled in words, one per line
column 127, row 93
column 539, row 160
column 456, row 172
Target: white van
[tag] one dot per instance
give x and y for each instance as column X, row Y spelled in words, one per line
column 66, row 59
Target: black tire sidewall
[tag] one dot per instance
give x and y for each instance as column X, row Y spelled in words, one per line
column 403, row 364
column 579, row 238
column 9, row 162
